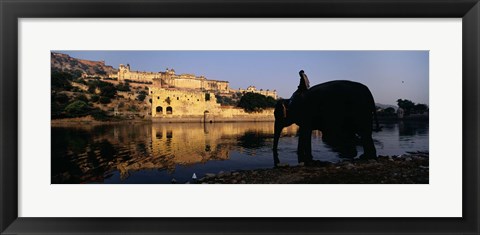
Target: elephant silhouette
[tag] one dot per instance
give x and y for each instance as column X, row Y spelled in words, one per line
column 341, row 110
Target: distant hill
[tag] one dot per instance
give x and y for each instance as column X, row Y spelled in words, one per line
column 63, row 62
column 384, row 106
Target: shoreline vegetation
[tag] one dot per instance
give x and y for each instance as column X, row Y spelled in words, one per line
column 409, row 168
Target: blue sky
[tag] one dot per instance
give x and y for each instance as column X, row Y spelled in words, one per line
column 390, row 75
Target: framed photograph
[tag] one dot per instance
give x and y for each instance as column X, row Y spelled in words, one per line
column 239, row 117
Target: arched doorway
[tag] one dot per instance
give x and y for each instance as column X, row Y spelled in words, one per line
column 159, row 110
column 169, row 110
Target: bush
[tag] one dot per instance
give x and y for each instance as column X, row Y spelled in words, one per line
column 99, row 115
column 224, row 100
column 77, row 73
column 105, row 100
column 77, row 108
column 61, row 80
column 99, row 70
column 141, row 97
column 123, row 87
column 92, row 88
column 57, row 110
column 60, row 98
column 82, row 97
column 94, row 98
column 133, row 108
column 106, row 89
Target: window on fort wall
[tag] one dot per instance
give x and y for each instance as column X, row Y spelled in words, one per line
column 169, row 110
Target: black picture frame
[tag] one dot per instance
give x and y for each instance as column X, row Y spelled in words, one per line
column 11, row 11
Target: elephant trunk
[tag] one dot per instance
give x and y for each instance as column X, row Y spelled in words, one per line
column 276, row 134
column 280, row 116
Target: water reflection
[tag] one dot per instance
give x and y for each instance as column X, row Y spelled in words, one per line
column 157, row 153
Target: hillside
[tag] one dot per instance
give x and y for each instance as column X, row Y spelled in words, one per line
column 63, row 62
column 96, row 96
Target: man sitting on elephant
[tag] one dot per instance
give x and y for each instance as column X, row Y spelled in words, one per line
column 296, row 101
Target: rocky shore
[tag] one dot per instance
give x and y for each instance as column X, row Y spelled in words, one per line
column 411, row 168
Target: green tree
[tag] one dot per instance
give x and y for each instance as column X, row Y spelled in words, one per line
column 82, row 97
column 123, row 86
column 77, row 73
column 406, row 105
column 141, row 96
column 108, row 90
column 94, row 98
column 77, row 108
column 252, row 102
column 420, row 108
column 58, row 103
column 61, row 81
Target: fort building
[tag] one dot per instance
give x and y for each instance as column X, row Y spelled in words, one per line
column 187, row 97
column 169, row 79
column 261, row 91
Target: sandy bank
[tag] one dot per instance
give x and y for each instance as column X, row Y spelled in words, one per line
column 412, row 168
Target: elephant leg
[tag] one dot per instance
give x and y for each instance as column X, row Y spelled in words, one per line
column 348, row 147
column 369, row 150
column 304, row 150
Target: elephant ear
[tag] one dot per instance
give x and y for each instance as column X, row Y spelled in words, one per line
column 281, row 109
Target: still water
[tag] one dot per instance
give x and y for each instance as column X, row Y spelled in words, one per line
column 160, row 152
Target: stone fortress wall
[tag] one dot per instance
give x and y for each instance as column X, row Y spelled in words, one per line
column 174, row 105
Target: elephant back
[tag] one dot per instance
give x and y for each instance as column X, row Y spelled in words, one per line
column 340, row 97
